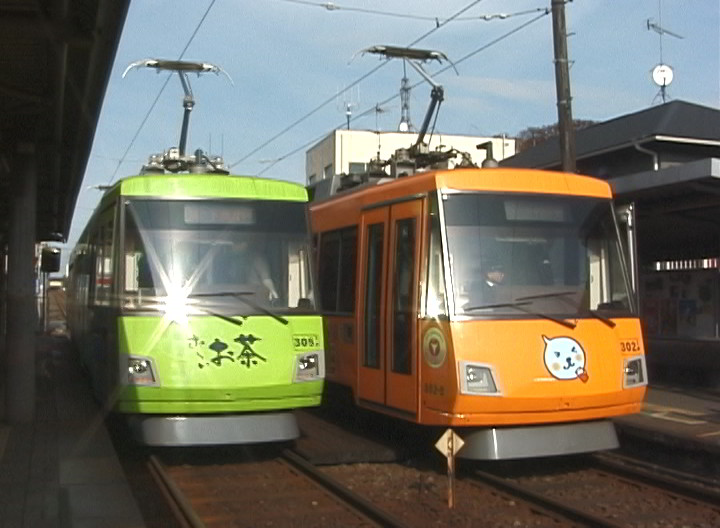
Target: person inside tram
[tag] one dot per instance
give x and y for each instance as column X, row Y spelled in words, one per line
column 488, row 285
column 494, row 275
column 494, row 282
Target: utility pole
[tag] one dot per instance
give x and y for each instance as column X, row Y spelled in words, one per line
column 562, row 84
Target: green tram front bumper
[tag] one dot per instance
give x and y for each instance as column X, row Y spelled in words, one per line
column 158, row 400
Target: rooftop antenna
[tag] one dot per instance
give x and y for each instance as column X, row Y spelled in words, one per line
column 662, row 74
column 351, row 98
column 182, row 68
column 416, row 57
column 378, row 110
column 348, row 113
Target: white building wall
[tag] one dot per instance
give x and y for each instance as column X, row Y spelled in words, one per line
column 335, row 153
column 318, row 158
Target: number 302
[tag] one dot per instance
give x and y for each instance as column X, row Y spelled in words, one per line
column 630, row 345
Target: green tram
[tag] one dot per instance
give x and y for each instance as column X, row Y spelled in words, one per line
column 190, row 303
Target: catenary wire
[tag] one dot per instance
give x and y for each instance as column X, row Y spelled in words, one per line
column 365, row 76
column 391, row 98
column 332, row 6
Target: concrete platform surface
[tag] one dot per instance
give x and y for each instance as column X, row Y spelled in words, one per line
column 680, row 417
column 61, row 471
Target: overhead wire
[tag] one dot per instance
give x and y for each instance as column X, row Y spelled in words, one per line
column 306, row 116
column 162, row 89
column 365, row 76
column 332, row 6
column 418, row 83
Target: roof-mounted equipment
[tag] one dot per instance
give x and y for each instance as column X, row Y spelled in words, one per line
column 418, row 155
column 175, row 159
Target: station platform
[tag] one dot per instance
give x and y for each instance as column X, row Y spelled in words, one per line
column 62, row 470
column 677, row 421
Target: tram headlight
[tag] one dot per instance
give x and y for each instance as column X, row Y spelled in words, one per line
column 140, row 371
column 477, row 379
column 309, row 367
column 634, row 372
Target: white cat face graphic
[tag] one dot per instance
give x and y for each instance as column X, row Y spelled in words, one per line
column 565, row 358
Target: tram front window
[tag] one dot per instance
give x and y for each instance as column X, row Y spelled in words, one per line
column 231, row 254
column 520, row 254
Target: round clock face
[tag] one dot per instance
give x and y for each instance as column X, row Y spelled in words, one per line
column 662, row 74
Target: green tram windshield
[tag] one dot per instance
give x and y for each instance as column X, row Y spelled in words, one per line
column 224, row 256
column 535, row 254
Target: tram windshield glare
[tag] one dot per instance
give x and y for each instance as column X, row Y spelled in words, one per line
column 235, row 256
column 549, row 255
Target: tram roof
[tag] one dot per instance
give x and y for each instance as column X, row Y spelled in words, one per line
column 178, row 186
column 486, row 179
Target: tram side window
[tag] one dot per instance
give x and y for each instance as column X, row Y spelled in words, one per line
column 138, row 276
column 435, row 299
column 101, row 244
column 373, row 295
column 606, row 282
column 403, row 294
column 137, row 266
column 80, row 271
column 348, row 258
column 336, row 273
column 607, row 285
column 104, row 264
column 328, row 271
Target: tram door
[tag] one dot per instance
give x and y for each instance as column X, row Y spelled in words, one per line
column 388, row 373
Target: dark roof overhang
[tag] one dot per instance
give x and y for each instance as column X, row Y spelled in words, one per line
column 56, row 60
column 696, row 176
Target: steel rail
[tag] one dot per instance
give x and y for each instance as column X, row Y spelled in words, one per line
column 670, row 481
column 178, row 502
column 557, row 507
column 360, row 504
column 59, row 306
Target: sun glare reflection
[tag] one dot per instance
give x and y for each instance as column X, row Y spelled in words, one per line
column 176, row 305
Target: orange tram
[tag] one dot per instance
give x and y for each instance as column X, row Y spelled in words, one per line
column 494, row 301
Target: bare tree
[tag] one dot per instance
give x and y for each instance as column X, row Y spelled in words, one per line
column 532, row 136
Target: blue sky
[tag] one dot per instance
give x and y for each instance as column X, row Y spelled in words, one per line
column 287, row 57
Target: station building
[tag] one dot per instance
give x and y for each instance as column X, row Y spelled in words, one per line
column 663, row 164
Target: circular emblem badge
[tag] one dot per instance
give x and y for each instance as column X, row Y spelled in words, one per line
column 434, row 348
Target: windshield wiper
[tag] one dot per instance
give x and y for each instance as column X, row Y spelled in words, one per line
column 594, row 313
column 521, row 306
column 546, row 295
column 241, row 296
column 602, row 318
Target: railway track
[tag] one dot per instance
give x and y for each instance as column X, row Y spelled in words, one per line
column 601, row 490
column 691, row 485
column 248, row 488
column 608, row 491
column 278, row 491
column 56, row 304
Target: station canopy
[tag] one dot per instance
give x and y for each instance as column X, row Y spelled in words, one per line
column 55, row 61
